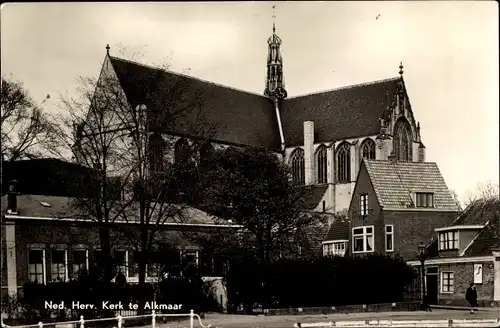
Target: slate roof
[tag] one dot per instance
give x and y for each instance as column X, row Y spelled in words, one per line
column 351, row 111
column 239, row 117
column 480, row 212
column 249, row 119
column 339, row 230
column 62, row 208
column 394, row 182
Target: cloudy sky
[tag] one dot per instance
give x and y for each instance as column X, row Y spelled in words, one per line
column 449, row 51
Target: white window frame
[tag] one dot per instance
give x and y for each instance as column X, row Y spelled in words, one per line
column 455, row 241
column 332, row 248
column 86, row 259
column 44, row 262
column 195, row 251
column 365, row 237
column 391, row 234
column 442, row 282
column 363, row 203
column 66, row 276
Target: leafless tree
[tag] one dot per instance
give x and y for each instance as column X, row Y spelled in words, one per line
column 127, row 140
column 456, row 200
column 484, row 190
column 27, row 130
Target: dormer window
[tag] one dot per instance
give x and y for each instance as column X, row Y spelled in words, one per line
column 424, row 199
column 448, row 240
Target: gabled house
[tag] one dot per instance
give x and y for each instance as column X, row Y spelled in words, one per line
column 397, row 205
column 463, row 252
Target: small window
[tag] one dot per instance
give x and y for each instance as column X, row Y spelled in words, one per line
column 58, row 265
column 448, row 240
column 424, row 199
column 36, row 259
column 324, row 206
column 447, row 282
column 334, row 249
column 191, row 257
column 79, row 262
column 362, row 239
column 364, row 204
column 389, row 238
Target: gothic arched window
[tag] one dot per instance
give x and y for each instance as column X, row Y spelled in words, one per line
column 402, row 143
column 343, row 155
column 181, row 151
column 156, row 152
column 321, row 164
column 297, row 163
column 368, row 149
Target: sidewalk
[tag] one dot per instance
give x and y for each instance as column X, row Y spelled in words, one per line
column 250, row 321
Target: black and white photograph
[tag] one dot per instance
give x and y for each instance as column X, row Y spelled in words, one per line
column 250, row 164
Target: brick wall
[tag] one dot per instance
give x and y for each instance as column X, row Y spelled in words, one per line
column 413, row 227
column 55, row 233
column 463, row 276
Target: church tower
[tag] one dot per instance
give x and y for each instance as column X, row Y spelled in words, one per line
column 275, row 84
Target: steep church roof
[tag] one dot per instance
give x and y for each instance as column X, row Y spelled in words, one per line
column 394, row 182
column 245, row 118
column 351, row 111
column 239, row 117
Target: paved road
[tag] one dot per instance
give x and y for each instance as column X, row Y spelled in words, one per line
column 241, row 321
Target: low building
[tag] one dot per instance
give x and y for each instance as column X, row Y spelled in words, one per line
column 336, row 242
column 44, row 239
column 396, row 205
column 463, row 252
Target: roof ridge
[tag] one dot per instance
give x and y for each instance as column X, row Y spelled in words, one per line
column 345, row 87
column 187, row 76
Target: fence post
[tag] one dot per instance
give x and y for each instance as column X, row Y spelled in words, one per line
column 40, row 324
column 120, row 322
column 82, row 322
column 153, row 319
column 191, row 319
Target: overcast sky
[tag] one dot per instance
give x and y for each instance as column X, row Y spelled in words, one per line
column 449, row 51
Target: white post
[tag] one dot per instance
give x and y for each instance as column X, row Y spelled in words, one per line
column 120, row 321
column 82, row 322
column 40, row 324
column 153, row 319
column 191, row 319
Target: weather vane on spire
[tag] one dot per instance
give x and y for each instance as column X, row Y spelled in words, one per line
column 274, row 18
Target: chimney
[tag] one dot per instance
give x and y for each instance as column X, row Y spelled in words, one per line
column 309, row 152
column 12, row 198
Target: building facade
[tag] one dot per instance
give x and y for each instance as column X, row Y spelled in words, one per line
column 463, row 252
column 323, row 136
column 397, row 205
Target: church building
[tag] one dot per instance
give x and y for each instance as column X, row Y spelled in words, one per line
column 323, row 136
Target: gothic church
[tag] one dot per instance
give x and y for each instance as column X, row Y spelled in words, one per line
column 323, row 136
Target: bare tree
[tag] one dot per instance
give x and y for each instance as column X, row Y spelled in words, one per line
column 123, row 128
column 484, row 190
column 26, row 129
column 456, row 200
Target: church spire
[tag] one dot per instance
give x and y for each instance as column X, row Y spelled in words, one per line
column 275, row 86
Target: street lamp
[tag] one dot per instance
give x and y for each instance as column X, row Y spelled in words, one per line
column 422, row 257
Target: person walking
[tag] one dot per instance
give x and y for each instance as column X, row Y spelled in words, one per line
column 471, row 297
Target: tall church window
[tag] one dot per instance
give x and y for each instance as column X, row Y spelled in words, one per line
column 156, row 152
column 368, row 149
column 343, row 156
column 402, row 142
column 298, row 169
column 321, row 164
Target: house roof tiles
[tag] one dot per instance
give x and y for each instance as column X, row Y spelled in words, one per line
column 394, row 182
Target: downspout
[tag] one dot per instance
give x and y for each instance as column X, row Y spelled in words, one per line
column 280, row 127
